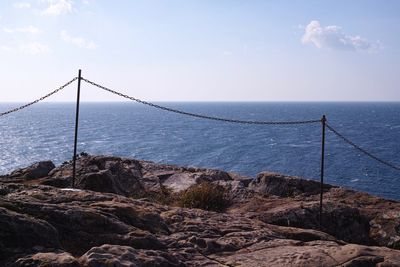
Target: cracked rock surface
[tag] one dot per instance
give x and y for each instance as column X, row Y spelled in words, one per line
column 271, row 221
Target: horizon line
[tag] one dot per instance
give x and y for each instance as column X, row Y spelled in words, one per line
column 217, row 101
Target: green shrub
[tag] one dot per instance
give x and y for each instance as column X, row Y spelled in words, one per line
column 206, row 196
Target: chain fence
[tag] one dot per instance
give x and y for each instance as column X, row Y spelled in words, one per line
column 199, row 115
column 254, row 122
column 38, row 100
column 391, row 165
column 362, row 150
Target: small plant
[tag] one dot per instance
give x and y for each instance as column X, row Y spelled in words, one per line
column 206, row 196
column 166, row 196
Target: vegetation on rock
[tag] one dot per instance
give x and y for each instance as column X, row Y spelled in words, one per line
column 206, row 196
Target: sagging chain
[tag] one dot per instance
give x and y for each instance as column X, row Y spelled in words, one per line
column 199, row 115
column 384, row 162
column 39, row 99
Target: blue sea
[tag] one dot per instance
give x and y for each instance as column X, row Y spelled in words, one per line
column 45, row 131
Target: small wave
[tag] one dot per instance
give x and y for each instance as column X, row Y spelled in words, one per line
column 296, row 145
column 354, row 180
column 98, row 142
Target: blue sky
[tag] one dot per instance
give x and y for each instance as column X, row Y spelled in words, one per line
column 202, row 50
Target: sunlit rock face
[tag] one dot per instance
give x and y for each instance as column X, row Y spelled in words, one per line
column 110, row 220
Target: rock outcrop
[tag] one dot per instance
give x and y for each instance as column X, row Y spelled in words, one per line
column 110, row 221
column 35, row 171
column 275, row 184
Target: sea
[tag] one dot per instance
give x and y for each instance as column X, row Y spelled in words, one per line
column 45, row 131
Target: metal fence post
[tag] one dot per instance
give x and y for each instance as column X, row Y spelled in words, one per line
column 323, row 122
column 76, row 129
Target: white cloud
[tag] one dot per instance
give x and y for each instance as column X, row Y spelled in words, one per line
column 30, row 29
column 333, row 37
column 77, row 41
column 57, row 7
column 22, row 5
column 5, row 48
column 34, row 48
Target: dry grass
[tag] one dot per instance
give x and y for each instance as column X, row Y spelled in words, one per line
column 165, row 196
column 206, row 196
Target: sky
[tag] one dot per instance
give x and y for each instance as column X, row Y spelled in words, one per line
column 208, row 50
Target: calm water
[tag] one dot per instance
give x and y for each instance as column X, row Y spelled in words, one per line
column 45, row 131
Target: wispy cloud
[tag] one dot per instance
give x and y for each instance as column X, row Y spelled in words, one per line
column 29, row 29
column 22, row 5
column 32, row 48
column 57, row 7
column 5, row 48
column 333, row 37
column 77, row 41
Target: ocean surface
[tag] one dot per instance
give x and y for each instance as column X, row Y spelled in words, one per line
column 45, row 131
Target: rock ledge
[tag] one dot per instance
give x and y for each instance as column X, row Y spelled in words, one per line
column 109, row 220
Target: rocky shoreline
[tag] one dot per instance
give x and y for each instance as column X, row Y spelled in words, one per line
column 115, row 217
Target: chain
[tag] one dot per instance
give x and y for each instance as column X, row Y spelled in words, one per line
column 197, row 115
column 384, row 162
column 207, row 117
column 38, row 100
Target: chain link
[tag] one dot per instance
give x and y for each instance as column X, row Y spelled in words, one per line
column 384, row 162
column 197, row 115
column 39, row 99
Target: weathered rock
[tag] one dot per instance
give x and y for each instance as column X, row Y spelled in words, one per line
column 272, row 221
column 114, row 255
column 269, row 183
column 35, row 171
column 314, row 253
column 384, row 215
column 48, row 259
column 89, row 220
column 19, row 233
column 130, row 177
column 106, row 229
column 101, row 174
column 180, row 178
column 342, row 221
